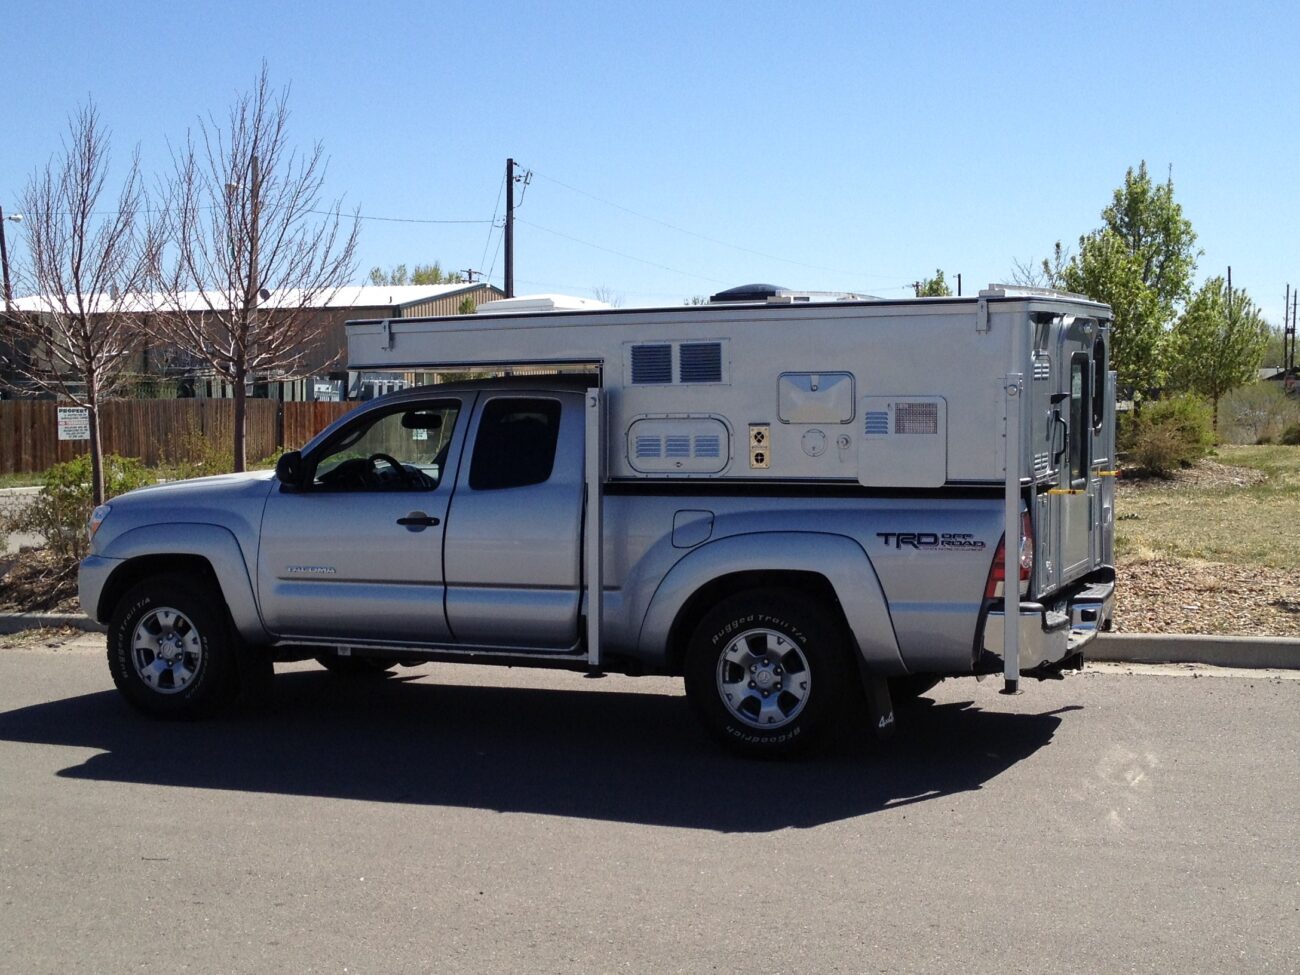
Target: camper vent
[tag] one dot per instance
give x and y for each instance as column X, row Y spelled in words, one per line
column 1042, row 368
column 700, row 362
column 708, row 445
column 648, row 448
column 877, row 423
column 652, row 364
column 1042, row 464
column 916, row 418
column 678, row 445
column 672, row 363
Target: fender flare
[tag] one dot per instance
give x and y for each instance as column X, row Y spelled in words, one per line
column 213, row 543
column 837, row 558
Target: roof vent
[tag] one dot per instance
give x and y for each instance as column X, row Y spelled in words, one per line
column 749, row 292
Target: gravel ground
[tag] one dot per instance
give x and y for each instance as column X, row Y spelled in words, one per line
column 1167, row 595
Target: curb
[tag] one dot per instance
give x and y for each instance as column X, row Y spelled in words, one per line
column 1254, row 652
column 16, row 622
column 1249, row 652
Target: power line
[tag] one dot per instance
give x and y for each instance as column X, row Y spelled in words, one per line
column 706, row 237
column 610, row 250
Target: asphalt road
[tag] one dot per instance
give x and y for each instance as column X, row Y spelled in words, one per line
column 481, row 820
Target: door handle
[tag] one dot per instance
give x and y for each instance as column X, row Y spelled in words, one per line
column 418, row 520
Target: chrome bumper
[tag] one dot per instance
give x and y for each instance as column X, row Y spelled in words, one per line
column 1050, row 634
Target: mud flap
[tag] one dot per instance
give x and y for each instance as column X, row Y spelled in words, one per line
column 880, row 706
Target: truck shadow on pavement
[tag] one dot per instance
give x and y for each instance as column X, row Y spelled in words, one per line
column 610, row 755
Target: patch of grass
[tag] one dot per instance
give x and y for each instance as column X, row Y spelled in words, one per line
column 19, row 480
column 1255, row 525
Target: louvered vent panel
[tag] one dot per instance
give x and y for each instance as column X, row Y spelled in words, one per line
column 1042, row 368
column 1042, row 464
column 680, row 445
column 677, row 446
column 700, row 362
column 652, row 364
column 648, row 447
column 877, row 423
column 916, row 418
column 708, row 446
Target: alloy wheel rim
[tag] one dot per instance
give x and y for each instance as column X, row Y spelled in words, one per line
column 763, row 678
column 166, row 650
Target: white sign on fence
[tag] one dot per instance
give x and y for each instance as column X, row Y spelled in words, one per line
column 74, row 423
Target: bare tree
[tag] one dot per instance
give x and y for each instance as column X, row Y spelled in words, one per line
column 85, row 265
column 246, row 227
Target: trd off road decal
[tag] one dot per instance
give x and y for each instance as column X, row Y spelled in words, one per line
column 948, row 541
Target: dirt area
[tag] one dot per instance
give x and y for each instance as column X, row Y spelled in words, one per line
column 1190, row 596
column 32, row 581
column 1206, row 474
column 47, row 637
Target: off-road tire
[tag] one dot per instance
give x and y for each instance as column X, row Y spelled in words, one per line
column 206, row 649
column 797, row 632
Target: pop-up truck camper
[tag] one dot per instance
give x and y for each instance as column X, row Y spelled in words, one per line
column 803, row 504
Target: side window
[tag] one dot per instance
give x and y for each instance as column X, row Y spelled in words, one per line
column 1079, row 417
column 1098, row 383
column 516, row 441
column 401, row 449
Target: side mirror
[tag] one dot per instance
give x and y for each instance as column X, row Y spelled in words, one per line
column 288, row 469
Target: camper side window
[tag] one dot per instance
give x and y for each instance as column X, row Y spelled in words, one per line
column 1079, row 419
column 1098, row 384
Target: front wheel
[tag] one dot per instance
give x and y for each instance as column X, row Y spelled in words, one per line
column 171, row 649
column 767, row 672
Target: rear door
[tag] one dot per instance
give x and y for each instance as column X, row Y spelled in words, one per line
column 1076, row 494
column 514, row 532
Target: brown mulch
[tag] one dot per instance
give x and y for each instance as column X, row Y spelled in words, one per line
column 1166, row 595
column 34, row 581
column 1205, row 474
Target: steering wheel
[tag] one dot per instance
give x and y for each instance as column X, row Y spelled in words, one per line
column 402, row 475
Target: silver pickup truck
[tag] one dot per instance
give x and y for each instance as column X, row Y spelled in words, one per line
column 542, row 520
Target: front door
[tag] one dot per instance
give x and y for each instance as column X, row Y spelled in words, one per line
column 514, row 538
column 356, row 553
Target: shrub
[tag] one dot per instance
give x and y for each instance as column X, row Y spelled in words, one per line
column 1291, row 435
column 64, row 503
column 1172, row 433
column 194, row 455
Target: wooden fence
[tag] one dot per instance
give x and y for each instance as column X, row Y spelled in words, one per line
column 157, row 430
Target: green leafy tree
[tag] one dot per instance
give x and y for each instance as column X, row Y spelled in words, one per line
column 1140, row 262
column 1275, row 350
column 420, row 274
column 1217, row 343
column 935, row 287
column 1105, row 269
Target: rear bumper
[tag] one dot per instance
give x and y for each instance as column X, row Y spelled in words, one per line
column 1050, row 633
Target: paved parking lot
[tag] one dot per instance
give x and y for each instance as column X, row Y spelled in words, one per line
column 489, row 820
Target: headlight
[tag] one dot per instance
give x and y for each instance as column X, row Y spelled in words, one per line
column 96, row 519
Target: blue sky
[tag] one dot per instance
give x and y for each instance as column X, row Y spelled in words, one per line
column 824, row 145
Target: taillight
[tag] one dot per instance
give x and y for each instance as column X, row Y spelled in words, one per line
column 997, row 571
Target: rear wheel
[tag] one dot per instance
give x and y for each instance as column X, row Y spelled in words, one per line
column 171, row 649
column 767, row 672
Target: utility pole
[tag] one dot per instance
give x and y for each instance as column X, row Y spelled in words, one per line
column 511, row 179
column 510, row 228
column 469, row 273
column 959, row 285
column 4, row 259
